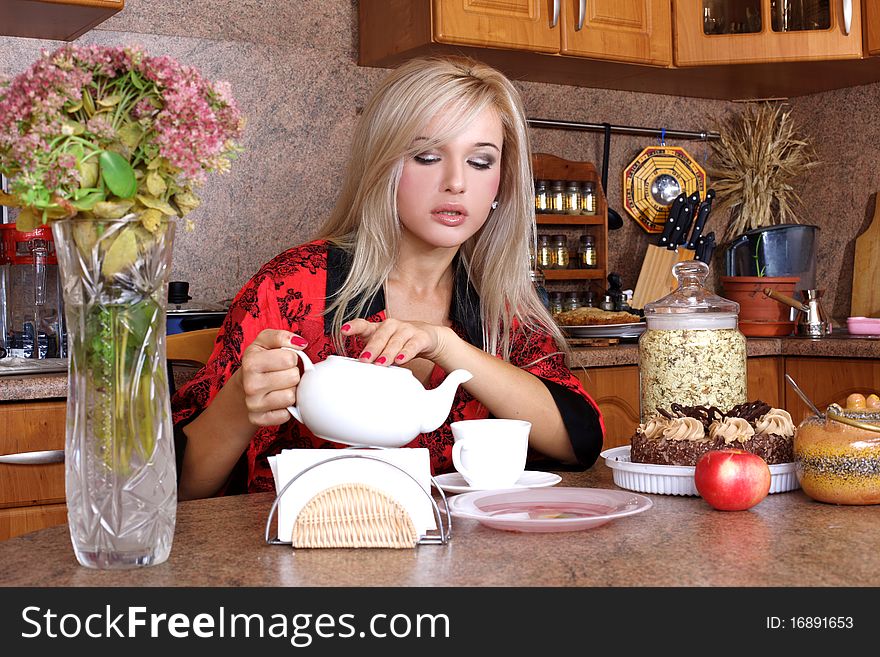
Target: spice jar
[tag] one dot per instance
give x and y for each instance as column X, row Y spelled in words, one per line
column 560, row 249
column 546, row 257
column 557, row 197
column 572, row 301
column 571, row 202
column 542, row 196
column 557, row 303
column 692, row 352
column 588, row 198
column 587, row 252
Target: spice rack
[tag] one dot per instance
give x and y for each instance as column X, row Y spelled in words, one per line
column 550, row 167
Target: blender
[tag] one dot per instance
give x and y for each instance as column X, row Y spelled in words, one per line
column 31, row 313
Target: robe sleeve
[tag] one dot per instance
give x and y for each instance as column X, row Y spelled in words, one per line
column 536, row 352
column 253, row 309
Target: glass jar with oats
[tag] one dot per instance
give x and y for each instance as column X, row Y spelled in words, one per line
column 691, row 352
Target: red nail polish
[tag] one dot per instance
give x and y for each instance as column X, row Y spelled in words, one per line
column 381, row 360
column 400, row 357
column 346, row 327
column 366, row 355
column 298, row 341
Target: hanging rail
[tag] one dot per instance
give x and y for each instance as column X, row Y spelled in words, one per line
column 703, row 135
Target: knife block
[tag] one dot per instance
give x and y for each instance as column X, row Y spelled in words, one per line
column 655, row 278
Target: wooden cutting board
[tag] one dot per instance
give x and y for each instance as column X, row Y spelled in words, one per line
column 866, row 270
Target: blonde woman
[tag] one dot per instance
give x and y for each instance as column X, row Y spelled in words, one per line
column 423, row 264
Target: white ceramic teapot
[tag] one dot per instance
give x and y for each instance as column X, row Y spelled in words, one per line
column 356, row 403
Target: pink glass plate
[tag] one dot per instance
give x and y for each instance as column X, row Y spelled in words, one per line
column 547, row 509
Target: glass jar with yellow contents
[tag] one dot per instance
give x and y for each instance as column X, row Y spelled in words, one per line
column 692, row 352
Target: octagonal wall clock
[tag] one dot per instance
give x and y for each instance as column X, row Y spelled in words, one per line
column 654, row 178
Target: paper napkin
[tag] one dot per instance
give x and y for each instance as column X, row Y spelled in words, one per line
column 414, row 496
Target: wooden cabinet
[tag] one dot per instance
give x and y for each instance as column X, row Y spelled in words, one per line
column 31, row 496
column 63, row 20
column 871, row 23
column 765, row 380
column 637, row 31
column 512, row 24
column 759, row 31
column 550, row 167
column 828, row 380
column 616, row 391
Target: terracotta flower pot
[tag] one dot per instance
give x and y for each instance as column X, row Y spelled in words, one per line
column 754, row 306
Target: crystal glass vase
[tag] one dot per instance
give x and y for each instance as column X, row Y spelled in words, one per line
column 119, row 452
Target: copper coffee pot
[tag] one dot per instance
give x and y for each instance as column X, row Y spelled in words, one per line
column 811, row 321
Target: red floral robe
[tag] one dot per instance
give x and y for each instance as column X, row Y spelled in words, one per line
column 289, row 292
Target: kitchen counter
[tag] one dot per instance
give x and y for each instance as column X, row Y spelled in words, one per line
column 786, row 540
column 841, row 345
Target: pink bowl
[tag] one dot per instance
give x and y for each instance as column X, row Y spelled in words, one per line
column 863, row 325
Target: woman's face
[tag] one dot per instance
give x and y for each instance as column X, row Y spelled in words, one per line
column 446, row 193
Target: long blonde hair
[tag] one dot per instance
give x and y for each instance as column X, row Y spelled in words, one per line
column 364, row 221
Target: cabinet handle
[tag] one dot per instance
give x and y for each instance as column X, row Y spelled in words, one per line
column 554, row 21
column 582, row 14
column 34, row 458
column 847, row 16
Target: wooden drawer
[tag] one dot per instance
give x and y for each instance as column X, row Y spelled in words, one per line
column 14, row 522
column 27, row 427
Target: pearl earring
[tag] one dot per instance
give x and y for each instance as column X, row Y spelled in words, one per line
column 494, row 204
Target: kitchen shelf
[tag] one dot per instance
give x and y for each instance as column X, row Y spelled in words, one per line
column 570, row 220
column 572, row 274
column 550, row 167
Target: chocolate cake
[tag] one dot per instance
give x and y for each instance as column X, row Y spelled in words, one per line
column 681, row 435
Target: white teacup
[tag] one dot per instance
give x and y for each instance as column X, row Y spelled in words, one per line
column 490, row 453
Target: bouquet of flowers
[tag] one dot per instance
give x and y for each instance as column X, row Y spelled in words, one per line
column 102, row 134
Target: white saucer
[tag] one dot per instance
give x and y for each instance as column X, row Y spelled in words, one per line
column 453, row 482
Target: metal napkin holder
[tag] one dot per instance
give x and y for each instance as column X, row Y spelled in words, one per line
column 439, row 536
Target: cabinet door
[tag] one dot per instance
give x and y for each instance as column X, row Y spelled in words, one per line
column 637, row 31
column 31, row 427
column 22, row 520
column 828, row 380
column 616, row 391
column 511, row 24
column 761, row 31
column 871, row 23
column 765, row 377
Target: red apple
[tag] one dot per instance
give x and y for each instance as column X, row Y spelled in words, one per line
column 732, row 479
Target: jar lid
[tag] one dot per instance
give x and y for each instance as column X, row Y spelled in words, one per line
column 691, row 303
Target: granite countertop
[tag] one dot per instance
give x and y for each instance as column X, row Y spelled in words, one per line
column 841, row 345
column 786, row 540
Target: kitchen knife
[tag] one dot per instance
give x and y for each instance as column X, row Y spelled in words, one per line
column 694, row 203
column 669, row 226
column 700, row 249
column 709, row 248
column 702, row 217
column 684, row 219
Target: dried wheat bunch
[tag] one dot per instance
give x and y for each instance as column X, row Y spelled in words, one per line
column 757, row 160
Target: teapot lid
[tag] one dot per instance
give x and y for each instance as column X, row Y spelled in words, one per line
column 691, row 300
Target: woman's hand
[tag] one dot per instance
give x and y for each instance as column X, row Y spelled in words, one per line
column 397, row 342
column 270, row 376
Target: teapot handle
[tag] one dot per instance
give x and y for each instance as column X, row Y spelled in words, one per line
column 308, row 366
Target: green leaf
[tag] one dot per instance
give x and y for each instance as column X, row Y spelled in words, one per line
column 117, row 174
column 89, row 201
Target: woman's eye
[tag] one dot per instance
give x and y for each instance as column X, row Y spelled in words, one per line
column 481, row 162
column 426, row 159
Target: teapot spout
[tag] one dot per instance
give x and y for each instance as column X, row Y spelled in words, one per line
column 438, row 401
